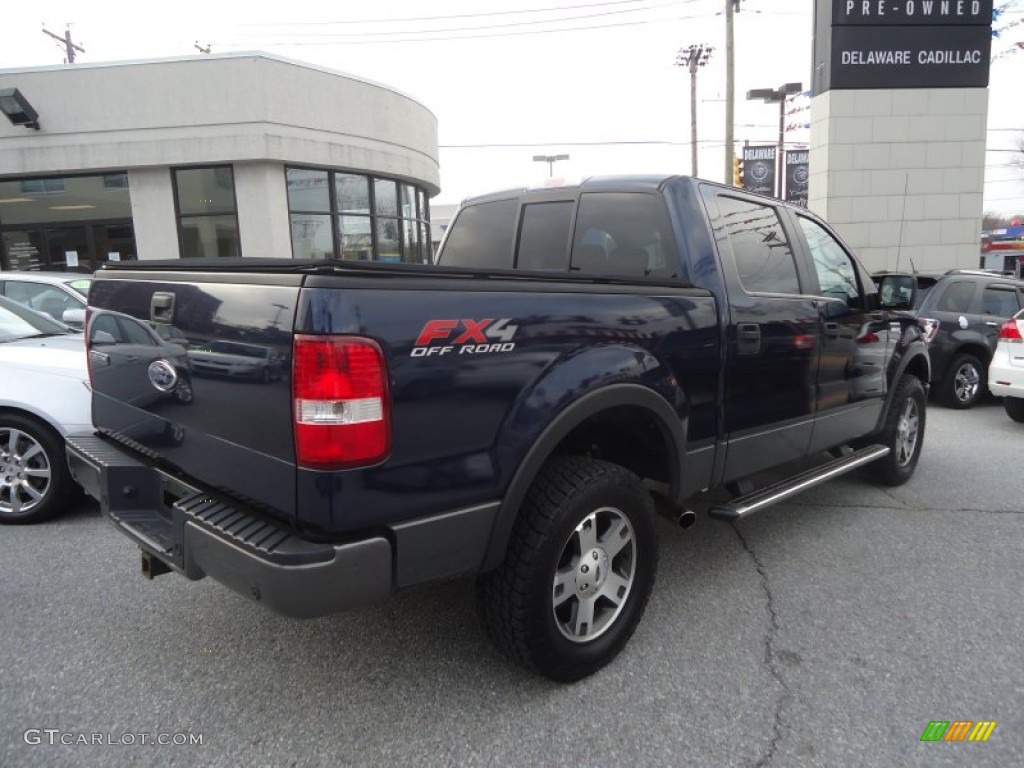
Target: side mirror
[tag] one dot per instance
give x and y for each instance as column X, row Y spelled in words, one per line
column 101, row 338
column 897, row 291
column 74, row 317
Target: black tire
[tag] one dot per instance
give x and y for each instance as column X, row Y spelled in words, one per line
column 1014, row 408
column 569, row 515
column 35, row 483
column 903, row 433
column 964, row 383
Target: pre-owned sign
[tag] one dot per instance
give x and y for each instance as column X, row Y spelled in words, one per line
column 906, row 12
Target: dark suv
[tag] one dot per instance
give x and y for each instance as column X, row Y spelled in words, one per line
column 961, row 311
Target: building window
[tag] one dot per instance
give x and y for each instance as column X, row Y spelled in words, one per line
column 207, row 214
column 74, row 223
column 338, row 215
column 42, row 186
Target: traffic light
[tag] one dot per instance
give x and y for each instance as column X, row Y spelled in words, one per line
column 737, row 171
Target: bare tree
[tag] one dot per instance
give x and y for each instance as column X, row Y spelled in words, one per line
column 994, row 221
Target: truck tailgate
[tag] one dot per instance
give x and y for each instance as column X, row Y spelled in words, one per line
column 193, row 372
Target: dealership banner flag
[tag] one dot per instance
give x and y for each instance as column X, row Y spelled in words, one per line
column 796, row 176
column 759, row 169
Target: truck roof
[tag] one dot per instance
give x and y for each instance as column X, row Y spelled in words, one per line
column 592, row 184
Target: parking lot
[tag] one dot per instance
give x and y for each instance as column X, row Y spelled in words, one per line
column 827, row 631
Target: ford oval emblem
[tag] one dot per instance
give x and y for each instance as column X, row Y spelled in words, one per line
column 162, row 375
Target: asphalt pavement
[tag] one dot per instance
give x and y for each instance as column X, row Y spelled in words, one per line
column 827, row 631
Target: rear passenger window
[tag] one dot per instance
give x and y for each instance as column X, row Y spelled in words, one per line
column 836, row 273
column 481, row 236
column 957, row 297
column 764, row 258
column 623, row 233
column 544, row 236
column 1001, row 301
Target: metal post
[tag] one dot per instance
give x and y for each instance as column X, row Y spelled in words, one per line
column 730, row 87
column 693, row 116
column 779, row 167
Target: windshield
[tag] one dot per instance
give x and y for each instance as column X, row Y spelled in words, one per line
column 19, row 322
column 80, row 285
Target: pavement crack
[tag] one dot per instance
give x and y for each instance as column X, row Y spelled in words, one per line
column 771, row 660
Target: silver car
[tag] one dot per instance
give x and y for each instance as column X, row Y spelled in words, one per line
column 61, row 295
column 44, row 397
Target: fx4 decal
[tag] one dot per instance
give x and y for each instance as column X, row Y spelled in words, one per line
column 465, row 337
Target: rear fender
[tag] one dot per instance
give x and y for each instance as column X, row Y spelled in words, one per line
column 631, row 377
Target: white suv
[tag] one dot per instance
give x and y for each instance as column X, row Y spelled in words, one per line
column 1006, row 371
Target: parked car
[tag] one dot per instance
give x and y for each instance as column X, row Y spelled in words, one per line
column 44, row 397
column 962, row 312
column 236, row 359
column 1006, row 372
column 132, row 360
column 61, row 295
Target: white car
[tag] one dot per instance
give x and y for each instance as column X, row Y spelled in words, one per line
column 44, row 397
column 61, row 295
column 1006, row 371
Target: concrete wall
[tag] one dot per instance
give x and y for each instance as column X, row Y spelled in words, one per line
column 215, row 109
column 156, row 230
column 262, row 198
column 900, row 173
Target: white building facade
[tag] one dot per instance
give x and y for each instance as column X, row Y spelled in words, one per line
column 225, row 155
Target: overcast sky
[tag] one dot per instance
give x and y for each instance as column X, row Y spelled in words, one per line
column 604, row 89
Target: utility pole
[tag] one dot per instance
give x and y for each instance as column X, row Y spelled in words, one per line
column 68, row 44
column 692, row 57
column 730, row 85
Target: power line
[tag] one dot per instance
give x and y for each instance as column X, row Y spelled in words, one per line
column 359, row 41
column 648, row 142
column 445, row 18
column 481, row 27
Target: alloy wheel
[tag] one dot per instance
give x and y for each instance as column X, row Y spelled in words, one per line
column 25, row 472
column 966, row 382
column 594, row 575
column 906, row 433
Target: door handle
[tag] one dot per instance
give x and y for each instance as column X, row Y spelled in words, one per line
column 748, row 338
column 991, row 324
column 831, row 329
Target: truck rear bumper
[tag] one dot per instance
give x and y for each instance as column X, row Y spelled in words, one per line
column 198, row 536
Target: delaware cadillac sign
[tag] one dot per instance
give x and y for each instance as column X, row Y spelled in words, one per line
column 902, row 44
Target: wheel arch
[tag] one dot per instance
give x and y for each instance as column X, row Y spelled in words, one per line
column 622, row 415
column 916, row 363
column 34, row 415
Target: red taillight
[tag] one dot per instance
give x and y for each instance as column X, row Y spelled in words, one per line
column 341, row 405
column 1010, row 331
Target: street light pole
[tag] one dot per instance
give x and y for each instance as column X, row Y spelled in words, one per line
column 692, row 57
column 771, row 96
column 550, row 160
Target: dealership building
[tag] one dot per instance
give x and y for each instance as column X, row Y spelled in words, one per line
column 243, row 154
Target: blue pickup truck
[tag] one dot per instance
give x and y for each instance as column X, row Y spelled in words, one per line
column 580, row 358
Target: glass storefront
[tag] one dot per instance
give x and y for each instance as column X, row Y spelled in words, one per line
column 356, row 217
column 71, row 223
column 207, row 214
